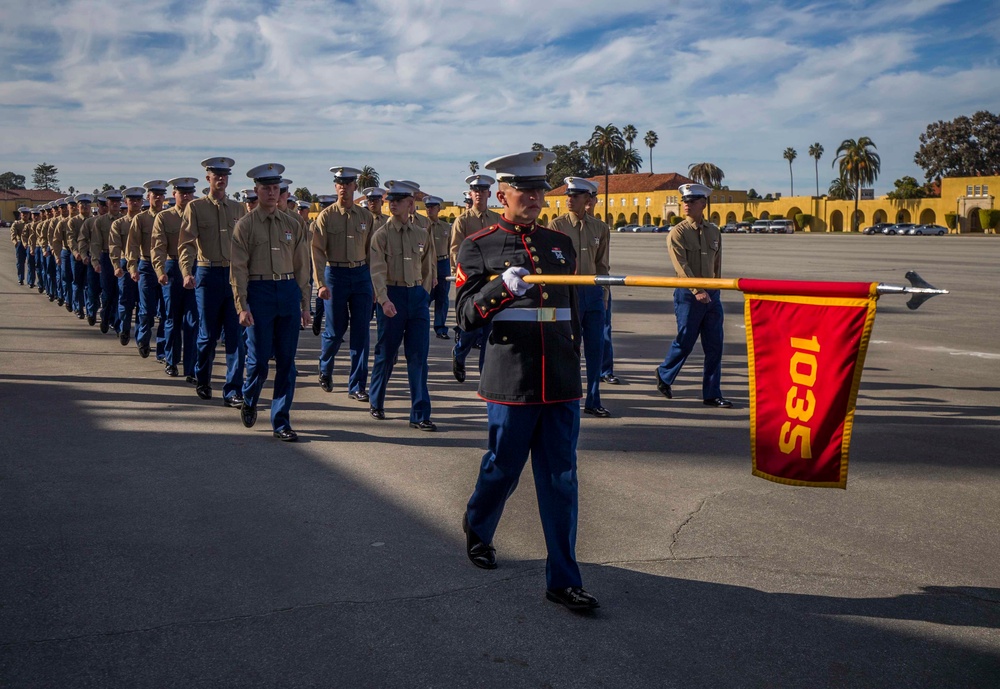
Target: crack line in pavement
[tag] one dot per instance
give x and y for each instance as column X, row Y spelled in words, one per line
column 677, row 532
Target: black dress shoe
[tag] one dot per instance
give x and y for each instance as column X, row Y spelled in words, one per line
column 482, row 555
column 359, row 395
column 573, row 597
column 69, row 307
column 458, row 368
column 234, row 401
column 80, row 315
column 286, row 434
column 248, row 415
column 424, row 425
column 377, row 413
column 663, row 387
column 316, row 328
column 720, row 402
column 170, row 370
column 144, row 351
column 59, row 301
column 104, row 328
column 191, row 380
column 91, row 320
column 204, row 392
column 599, row 412
column 611, row 379
column 326, row 382
column 123, row 338
column 442, row 336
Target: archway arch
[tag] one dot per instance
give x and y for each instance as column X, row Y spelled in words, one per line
column 903, row 215
column 633, row 219
column 880, row 216
column 670, row 216
column 859, row 220
column 928, row 216
column 973, row 219
column 646, row 220
column 621, row 220
column 730, row 217
column 715, row 218
column 792, row 212
column 836, row 221
column 764, row 215
column 544, row 220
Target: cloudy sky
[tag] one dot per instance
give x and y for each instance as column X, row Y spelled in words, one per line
column 121, row 92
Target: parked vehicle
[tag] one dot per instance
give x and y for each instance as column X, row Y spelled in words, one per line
column 761, row 227
column 728, row 228
column 627, row 228
column 876, row 228
column 936, row 230
column 743, row 227
column 898, row 228
column 781, row 226
column 648, row 228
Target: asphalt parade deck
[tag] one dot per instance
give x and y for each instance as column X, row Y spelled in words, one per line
column 149, row 540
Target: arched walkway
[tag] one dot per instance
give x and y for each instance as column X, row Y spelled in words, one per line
column 792, row 212
column 903, row 215
column 715, row 218
column 633, row 219
column 670, row 216
column 544, row 220
column 928, row 216
column 836, row 221
column 764, row 215
column 621, row 220
column 880, row 216
column 973, row 219
column 730, row 217
column 859, row 218
column 646, row 220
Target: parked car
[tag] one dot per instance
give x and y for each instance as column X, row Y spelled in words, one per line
column 761, row 227
column 928, row 229
column 627, row 228
column 876, row 228
column 898, row 228
column 728, row 228
column 781, row 226
column 648, row 228
column 743, row 227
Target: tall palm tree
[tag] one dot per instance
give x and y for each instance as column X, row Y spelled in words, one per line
column 629, row 162
column 790, row 154
column 606, row 147
column 708, row 174
column 840, row 190
column 630, row 134
column 859, row 164
column 651, row 140
column 474, row 166
column 368, row 177
column 816, row 151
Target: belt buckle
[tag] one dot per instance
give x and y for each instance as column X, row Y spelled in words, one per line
column 275, row 277
column 546, row 314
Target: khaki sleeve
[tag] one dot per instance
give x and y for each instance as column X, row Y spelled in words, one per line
column 158, row 246
column 57, row 239
column 83, row 240
column 317, row 246
column 133, row 245
column 187, row 247
column 428, row 263
column 602, row 259
column 718, row 258
column 678, row 255
column 115, row 240
column 378, row 264
column 239, row 263
column 457, row 236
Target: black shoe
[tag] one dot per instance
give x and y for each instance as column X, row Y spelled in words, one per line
column 248, row 415
column 359, row 395
column 144, row 351
column 611, row 379
column 573, row 597
column 52, row 298
column 59, row 301
column 235, row 401
column 442, row 336
column 458, row 368
column 104, row 328
column 424, row 425
column 191, row 380
column 482, row 555
column 326, row 382
column 69, row 307
column 79, row 314
column 123, row 337
column 377, row 413
column 286, row 434
column 663, row 388
column 91, row 320
column 170, row 370
column 720, row 402
column 316, row 328
column 204, row 392
column 599, row 412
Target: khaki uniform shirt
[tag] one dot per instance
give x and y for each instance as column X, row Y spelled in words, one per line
column 378, row 221
column 341, row 236
column 59, row 235
column 118, row 237
column 695, row 250
column 24, row 235
column 85, row 236
column 467, row 224
column 166, row 239
column 268, row 245
column 207, row 232
column 140, row 239
column 591, row 239
column 401, row 253
column 441, row 236
column 100, row 235
column 75, row 225
column 50, row 233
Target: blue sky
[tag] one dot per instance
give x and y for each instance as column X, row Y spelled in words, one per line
column 121, row 92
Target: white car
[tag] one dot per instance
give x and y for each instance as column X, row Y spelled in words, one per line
column 928, row 229
column 761, row 227
column 627, row 228
column 781, row 226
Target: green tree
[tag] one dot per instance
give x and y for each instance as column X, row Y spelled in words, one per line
column 859, row 164
column 708, row 174
column 630, row 134
column 840, row 190
column 651, row 139
column 11, row 180
column 474, row 166
column 571, row 161
column 368, row 177
column 964, row 147
column 606, row 146
column 907, row 188
column 45, row 176
column 790, row 154
column 71, row 190
column 752, row 195
column 629, row 162
column 107, row 187
column 816, row 152
column 303, row 194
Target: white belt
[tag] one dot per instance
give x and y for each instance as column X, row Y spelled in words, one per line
column 545, row 314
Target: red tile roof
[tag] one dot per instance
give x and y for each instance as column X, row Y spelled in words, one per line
column 636, row 183
column 36, row 195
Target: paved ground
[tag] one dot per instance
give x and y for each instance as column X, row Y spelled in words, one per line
column 148, row 540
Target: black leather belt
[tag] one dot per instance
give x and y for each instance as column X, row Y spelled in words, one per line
column 273, row 276
column 346, row 264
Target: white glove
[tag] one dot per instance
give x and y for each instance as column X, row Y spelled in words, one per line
column 512, row 279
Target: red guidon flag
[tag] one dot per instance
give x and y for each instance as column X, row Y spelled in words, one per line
column 806, row 345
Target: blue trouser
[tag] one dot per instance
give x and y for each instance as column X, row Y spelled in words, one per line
column 549, row 433
column 180, row 328
column 20, row 256
column 128, row 297
column 109, row 292
column 217, row 313
column 694, row 319
column 275, row 332
column 66, row 264
column 150, row 298
column 79, row 284
column 591, row 298
column 410, row 326
column 30, row 265
column 55, row 287
column 440, row 296
column 608, row 362
column 349, row 305
column 467, row 338
column 93, row 291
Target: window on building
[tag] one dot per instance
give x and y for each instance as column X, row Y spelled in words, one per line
column 557, row 204
column 611, row 202
column 978, row 191
column 986, row 190
column 730, row 199
column 968, row 190
column 648, row 200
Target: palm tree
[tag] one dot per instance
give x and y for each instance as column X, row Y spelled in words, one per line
column 651, row 140
column 630, row 134
column 859, row 164
column 840, row 190
column 629, row 162
column 816, row 152
column 474, row 166
column 708, row 174
column 367, row 178
column 606, row 146
column 790, row 154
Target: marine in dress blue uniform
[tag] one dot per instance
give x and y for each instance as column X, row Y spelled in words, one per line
column 695, row 248
column 531, row 374
column 270, row 282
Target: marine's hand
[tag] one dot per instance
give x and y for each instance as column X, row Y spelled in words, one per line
column 512, row 279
